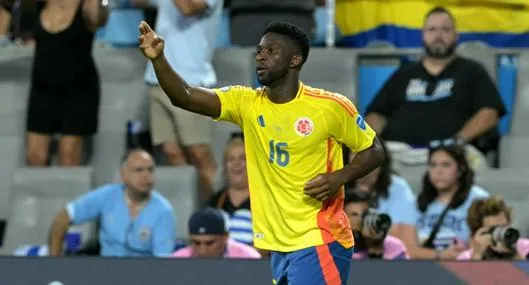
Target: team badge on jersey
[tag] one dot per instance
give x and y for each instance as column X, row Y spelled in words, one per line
column 304, row 126
column 360, row 122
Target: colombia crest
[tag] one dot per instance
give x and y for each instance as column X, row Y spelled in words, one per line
column 304, row 126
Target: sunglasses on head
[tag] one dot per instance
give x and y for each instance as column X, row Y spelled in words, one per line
column 445, row 143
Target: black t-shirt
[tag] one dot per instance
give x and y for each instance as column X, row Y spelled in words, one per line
column 420, row 107
column 221, row 201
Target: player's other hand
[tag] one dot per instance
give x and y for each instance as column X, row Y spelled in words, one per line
column 323, row 186
column 150, row 43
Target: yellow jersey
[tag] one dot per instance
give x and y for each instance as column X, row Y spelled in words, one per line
column 287, row 145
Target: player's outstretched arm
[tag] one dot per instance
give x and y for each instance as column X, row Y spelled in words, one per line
column 194, row 99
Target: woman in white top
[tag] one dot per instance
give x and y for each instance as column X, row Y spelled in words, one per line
column 448, row 191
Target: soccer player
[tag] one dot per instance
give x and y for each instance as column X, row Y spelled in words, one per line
column 293, row 140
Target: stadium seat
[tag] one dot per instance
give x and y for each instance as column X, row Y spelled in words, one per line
column 520, row 215
column 234, row 66
column 521, row 106
column 332, row 70
column 38, row 194
column 511, row 184
column 10, row 159
column 513, row 152
column 480, row 52
column 14, row 87
column 179, row 186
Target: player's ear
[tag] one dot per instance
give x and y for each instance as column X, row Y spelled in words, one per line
column 296, row 61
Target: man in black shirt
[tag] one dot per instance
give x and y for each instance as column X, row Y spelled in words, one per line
column 442, row 96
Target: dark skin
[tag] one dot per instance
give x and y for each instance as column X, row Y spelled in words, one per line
column 278, row 63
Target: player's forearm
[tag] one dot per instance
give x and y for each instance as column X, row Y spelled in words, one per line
column 364, row 162
column 57, row 232
column 482, row 121
column 172, row 84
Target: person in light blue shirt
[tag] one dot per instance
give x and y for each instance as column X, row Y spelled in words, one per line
column 447, row 185
column 134, row 219
column 391, row 195
column 189, row 29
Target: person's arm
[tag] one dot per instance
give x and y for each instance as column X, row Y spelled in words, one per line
column 487, row 105
column 86, row 208
column 349, row 128
column 484, row 120
column 164, row 234
column 193, row 7
column 95, row 13
column 194, row 99
column 384, row 103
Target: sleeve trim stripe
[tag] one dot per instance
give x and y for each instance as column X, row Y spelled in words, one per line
column 346, row 106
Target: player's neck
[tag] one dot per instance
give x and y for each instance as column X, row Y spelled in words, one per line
column 284, row 90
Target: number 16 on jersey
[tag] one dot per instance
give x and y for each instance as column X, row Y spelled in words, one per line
column 278, row 153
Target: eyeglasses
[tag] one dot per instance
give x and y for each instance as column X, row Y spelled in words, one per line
column 445, row 143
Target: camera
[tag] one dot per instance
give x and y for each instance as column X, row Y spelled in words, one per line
column 380, row 223
column 506, row 235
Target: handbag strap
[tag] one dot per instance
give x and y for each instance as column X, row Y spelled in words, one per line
column 429, row 242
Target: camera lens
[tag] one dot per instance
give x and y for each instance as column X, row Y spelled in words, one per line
column 510, row 236
column 383, row 222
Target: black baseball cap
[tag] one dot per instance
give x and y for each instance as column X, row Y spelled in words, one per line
column 207, row 221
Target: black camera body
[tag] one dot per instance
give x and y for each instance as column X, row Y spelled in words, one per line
column 505, row 235
column 378, row 222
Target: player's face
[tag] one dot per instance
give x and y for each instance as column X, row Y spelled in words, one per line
column 354, row 213
column 138, row 172
column 208, row 246
column 236, row 167
column 273, row 58
column 367, row 182
column 439, row 36
column 443, row 171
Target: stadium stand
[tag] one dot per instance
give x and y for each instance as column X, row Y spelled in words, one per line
column 37, row 195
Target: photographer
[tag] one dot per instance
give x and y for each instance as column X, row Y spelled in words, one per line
column 492, row 236
column 370, row 230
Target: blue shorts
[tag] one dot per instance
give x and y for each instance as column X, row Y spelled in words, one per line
column 326, row 264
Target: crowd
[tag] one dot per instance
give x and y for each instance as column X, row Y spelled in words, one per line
column 444, row 104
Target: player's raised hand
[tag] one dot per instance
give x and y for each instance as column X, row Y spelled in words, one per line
column 323, row 186
column 150, row 43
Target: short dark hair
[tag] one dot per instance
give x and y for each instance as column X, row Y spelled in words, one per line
column 357, row 196
column 439, row 9
column 293, row 32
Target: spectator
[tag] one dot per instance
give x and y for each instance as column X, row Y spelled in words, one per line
column 370, row 243
column 189, row 29
column 134, row 219
column 413, row 106
column 483, row 216
column 249, row 17
column 392, row 195
column 16, row 20
column 64, row 96
column 209, row 238
column 234, row 199
column 150, row 11
column 448, row 191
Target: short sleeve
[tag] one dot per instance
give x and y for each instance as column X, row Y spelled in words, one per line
column 233, row 101
column 484, row 92
column 164, row 238
column 89, row 206
column 384, row 101
column 348, row 127
column 403, row 204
